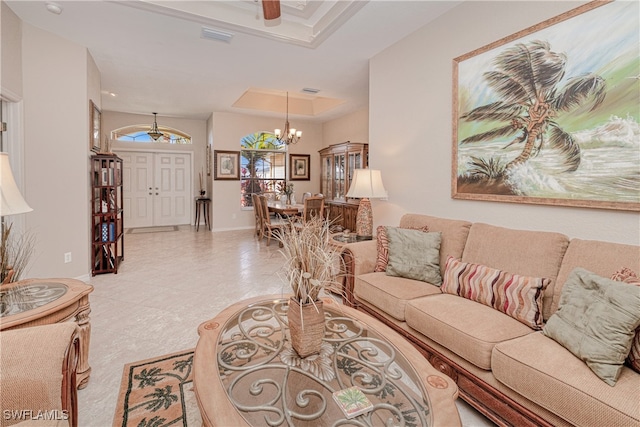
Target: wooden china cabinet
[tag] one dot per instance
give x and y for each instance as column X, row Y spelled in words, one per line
column 338, row 163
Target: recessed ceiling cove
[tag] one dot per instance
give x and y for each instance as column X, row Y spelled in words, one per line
column 276, row 101
column 303, row 23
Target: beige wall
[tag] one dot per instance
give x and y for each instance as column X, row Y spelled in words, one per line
column 56, row 143
column 353, row 127
column 410, row 126
column 226, row 131
column 112, row 120
column 10, row 54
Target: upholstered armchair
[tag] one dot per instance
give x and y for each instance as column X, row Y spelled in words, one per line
column 38, row 375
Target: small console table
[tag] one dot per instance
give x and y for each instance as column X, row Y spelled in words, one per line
column 35, row 302
column 202, row 203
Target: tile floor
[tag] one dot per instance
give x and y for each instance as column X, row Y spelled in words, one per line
column 169, row 283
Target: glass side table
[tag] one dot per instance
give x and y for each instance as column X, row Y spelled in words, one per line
column 35, row 302
column 246, row 373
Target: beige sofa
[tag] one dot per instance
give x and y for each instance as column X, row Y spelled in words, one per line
column 508, row 371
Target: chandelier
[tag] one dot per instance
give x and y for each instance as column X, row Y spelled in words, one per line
column 154, row 132
column 288, row 135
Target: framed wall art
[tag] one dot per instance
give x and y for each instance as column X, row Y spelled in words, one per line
column 208, row 159
column 226, row 165
column 299, row 167
column 550, row 115
column 95, row 121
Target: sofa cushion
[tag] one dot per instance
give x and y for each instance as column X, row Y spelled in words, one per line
column 467, row 328
column 517, row 296
column 382, row 244
column 414, row 254
column 454, row 233
column 601, row 258
column 544, row 372
column 528, row 253
column 596, row 320
column 391, row 294
column 627, row 275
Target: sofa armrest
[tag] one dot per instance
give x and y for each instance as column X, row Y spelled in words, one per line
column 38, row 373
column 359, row 258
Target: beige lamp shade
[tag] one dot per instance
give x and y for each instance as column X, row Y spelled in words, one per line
column 11, row 201
column 367, row 183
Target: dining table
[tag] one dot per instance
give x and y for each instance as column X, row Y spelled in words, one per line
column 284, row 209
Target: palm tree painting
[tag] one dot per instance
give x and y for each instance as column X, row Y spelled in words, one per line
column 550, row 115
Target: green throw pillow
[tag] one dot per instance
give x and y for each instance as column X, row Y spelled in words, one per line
column 414, row 254
column 596, row 321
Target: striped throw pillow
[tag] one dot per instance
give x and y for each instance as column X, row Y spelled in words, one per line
column 382, row 260
column 627, row 275
column 517, row 296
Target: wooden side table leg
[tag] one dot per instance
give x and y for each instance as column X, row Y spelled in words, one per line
column 82, row 318
column 207, row 219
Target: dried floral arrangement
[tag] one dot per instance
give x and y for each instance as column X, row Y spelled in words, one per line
column 311, row 261
column 15, row 253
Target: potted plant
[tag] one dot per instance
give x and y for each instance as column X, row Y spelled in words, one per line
column 287, row 190
column 311, row 263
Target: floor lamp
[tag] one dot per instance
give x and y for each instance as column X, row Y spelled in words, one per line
column 366, row 184
column 11, row 203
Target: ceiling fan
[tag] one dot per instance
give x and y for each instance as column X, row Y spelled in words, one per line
column 271, row 9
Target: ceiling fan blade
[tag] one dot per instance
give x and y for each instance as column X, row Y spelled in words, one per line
column 271, row 9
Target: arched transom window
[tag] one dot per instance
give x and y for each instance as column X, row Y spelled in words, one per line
column 138, row 133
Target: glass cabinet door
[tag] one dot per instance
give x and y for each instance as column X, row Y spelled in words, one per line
column 339, row 176
column 325, row 184
column 355, row 162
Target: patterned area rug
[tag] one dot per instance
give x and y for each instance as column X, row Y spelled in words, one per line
column 158, row 392
column 152, row 229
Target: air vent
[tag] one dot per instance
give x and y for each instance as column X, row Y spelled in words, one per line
column 211, row 34
column 310, row 90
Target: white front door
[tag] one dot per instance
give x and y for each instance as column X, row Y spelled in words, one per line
column 172, row 189
column 156, row 188
column 137, row 186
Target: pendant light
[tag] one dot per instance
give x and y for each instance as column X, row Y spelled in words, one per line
column 289, row 135
column 154, row 132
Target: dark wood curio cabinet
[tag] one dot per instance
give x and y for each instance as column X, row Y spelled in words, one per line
column 107, row 228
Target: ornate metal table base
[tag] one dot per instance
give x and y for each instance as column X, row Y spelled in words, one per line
column 265, row 381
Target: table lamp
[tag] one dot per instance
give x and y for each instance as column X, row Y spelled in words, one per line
column 11, row 203
column 366, row 184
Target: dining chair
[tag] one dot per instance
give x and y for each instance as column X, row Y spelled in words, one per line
column 305, row 195
column 313, row 207
column 257, row 211
column 270, row 225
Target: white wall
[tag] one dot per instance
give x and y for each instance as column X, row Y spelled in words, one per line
column 56, row 141
column 226, row 130
column 411, row 133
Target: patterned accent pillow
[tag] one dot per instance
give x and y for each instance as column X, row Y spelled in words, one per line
column 382, row 259
column 629, row 276
column 517, row 296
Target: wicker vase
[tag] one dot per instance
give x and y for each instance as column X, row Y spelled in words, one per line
column 306, row 327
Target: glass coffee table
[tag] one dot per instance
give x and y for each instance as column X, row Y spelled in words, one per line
column 246, row 373
column 35, row 302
